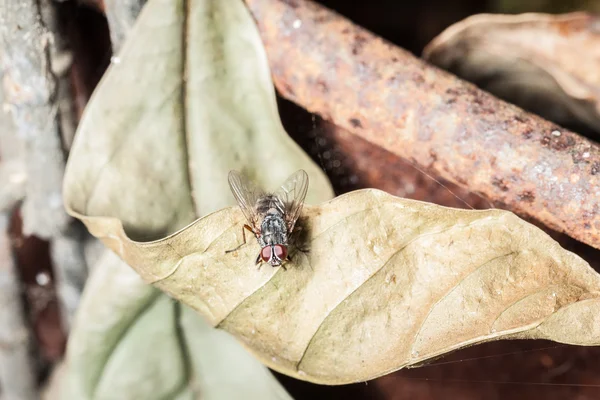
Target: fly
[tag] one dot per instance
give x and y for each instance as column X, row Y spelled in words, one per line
column 270, row 216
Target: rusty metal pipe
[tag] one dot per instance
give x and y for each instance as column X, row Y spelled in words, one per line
column 382, row 93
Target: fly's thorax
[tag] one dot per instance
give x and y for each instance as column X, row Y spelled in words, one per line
column 273, row 230
column 270, row 204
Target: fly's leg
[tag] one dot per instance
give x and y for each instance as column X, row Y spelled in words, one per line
column 259, row 261
column 244, row 228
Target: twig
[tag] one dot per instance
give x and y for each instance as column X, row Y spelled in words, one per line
column 121, row 15
column 384, row 94
column 17, row 368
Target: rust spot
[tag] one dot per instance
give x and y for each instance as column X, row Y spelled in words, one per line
column 545, row 141
column 359, row 42
column 394, row 59
column 579, row 158
column 499, row 183
column 481, row 103
column 526, row 196
column 288, row 91
column 558, row 143
column 433, row 155
column 595, row 168
column 527, row 133
column 393, row 278
column 563, row 142
column 418, row 78
column 519, row 118
column 587, row 215
column 322, row 85
column 292, row 3
column 452, row 95
column 355, row 123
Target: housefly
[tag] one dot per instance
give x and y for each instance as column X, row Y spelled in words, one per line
column 271, row 216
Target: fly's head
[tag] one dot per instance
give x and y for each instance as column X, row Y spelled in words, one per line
column 274, row 254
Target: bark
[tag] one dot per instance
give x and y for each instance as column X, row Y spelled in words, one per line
column 13, row 176
column 442, row 124
column 17, row 367
column 31, row 94
column 37, row 62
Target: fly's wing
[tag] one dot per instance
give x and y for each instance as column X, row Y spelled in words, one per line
column 246, row 193
column 292, row 194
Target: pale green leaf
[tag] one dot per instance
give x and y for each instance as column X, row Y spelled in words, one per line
column 130, row 341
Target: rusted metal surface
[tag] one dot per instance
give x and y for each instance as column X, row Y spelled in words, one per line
column 387, row 96
column 352, row 163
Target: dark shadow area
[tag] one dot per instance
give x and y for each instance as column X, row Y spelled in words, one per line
column 408, row 24
column 305, row 390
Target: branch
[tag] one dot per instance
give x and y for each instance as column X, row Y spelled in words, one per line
column 37, row 63
column 17, row 371
column 382, row 93
column 31, row 94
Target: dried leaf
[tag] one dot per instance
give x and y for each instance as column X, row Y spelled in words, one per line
column 388, row 283
column 189, row 98
column 546, row 63
column 546, row 6
column 121, row 319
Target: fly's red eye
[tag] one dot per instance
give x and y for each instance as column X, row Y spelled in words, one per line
column 280, row 251
column 266, row 254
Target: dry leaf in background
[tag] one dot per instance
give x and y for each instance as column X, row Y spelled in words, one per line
column 132, row 342
column 548, row 64
column 387, row 283
column 547, row 6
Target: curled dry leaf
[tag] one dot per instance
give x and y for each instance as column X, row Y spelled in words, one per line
column 387, row 283
column 546, row 63
column 188, row 98
column 121, row 318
